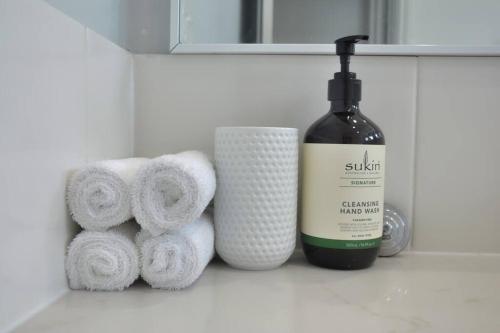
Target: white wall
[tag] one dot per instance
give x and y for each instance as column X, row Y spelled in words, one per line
column 181, row 99
column 442, row 109
column 108, row 17
column 66, row 97
column 138, row 26
column 148, row 28
column 457, row 205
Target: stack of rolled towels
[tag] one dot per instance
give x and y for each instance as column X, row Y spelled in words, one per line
column 168, row 197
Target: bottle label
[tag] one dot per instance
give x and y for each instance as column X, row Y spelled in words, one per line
column 343, row 195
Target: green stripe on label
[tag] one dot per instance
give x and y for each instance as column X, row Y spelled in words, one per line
column 341, row 244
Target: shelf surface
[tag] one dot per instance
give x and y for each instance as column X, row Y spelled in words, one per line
column 407, row 293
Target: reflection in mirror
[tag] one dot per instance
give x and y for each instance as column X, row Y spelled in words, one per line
column 436, row 22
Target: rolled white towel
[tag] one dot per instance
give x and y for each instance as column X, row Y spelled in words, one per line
column 103, row 260
column 175, row 260
column 99, row 194
column 172, row 190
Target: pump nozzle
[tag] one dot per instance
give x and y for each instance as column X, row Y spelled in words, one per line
column 345, row 45
column 345, row 48
column 345, row 86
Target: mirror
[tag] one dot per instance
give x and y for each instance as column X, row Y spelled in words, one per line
column 296, row 26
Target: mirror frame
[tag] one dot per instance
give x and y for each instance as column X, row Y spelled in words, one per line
column 177, row 47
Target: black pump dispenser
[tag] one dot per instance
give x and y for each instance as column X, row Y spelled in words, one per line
column 344, row 86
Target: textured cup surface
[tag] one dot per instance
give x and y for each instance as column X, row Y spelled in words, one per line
column 256, row 196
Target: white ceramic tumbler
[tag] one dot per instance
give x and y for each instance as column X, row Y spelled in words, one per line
column 256, row 196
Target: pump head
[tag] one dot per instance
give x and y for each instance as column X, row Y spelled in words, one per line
column 345, row 49
column 345, row 45
column 344, row 86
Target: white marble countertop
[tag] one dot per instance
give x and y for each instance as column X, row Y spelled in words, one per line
column 408, row 293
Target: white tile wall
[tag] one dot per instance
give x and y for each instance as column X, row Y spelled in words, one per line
column 110, row 99
column 181, row 99
column 44, row 94
column 458, row 145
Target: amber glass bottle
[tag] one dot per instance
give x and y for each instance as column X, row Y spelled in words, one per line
column 343, row 177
